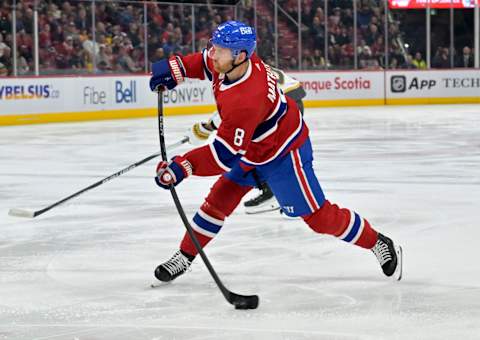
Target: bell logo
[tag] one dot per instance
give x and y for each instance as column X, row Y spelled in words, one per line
column 126, row 94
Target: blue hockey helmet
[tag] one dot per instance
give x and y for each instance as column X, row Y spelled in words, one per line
column 236, row 36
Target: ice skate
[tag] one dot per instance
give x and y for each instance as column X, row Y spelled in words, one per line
column 263, row 202
column 389, row 256
column 178, row 264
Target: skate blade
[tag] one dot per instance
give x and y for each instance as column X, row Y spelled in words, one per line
column 257, row 210
column 397, row 274
column 268, row 205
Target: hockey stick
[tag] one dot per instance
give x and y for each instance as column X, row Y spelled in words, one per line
column 32, row 214
column 239, row 301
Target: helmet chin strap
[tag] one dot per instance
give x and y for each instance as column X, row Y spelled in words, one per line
column 234, row 66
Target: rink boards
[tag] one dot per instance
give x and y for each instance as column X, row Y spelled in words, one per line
column 59, row 99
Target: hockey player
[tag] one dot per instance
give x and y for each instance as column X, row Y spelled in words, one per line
column 200, row 132
column 261, row 133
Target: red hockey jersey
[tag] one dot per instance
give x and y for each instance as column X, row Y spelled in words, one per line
column 259, row 123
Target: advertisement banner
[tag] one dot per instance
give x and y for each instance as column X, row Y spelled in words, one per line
column 349, row 88
column 415, row 4
column 58, row 99
column 89, row 94
column 439, row 85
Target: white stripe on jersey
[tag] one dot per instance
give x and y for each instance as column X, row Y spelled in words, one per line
column 232, row 150
column 247, row 74
column 281, row 100
column 217, row 159
column 283, row 147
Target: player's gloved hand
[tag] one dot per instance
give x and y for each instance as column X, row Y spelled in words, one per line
column 173, row 172
column 199, row 133
column 167, row 73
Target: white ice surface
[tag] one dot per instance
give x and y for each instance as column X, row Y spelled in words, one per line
column 82, row 270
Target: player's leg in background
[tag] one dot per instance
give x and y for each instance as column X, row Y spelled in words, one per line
column 224, row 197
column 263, row 202
column 300, row 194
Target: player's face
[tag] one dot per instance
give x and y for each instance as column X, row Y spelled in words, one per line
column 222, row 58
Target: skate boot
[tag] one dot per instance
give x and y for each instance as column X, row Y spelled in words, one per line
column 173, row 268
column 389, row 256
column 263, row 202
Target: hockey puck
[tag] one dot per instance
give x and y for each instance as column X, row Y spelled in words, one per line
column 251, row 303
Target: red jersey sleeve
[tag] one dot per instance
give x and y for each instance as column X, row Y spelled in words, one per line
column 197, row 65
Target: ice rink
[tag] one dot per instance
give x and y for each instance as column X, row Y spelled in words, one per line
column 83, row 270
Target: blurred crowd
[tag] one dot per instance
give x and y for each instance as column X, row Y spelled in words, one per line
column 66, row 40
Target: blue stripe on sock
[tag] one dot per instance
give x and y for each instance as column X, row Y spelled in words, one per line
column 356, row 226
column 204, row 224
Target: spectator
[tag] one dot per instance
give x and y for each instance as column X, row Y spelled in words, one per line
column 378, row 47
column 119, row 25
column 292, row 64
column 372, row 34
column 104, row 58
column 343, row 37
column 159, row 54
column 418, row 62
column 266, row 47
column 5, row 51
column 22, row 65
column 134, row 34
column 441, row 58
column 333, row 55
column 65, row 52
column 24, row 39
column 364, row 16
column 393, row 64
column 373, row 65
column 408, row 64
column 346, row 56
column 82, row 22
column 347, row 18
column 3, row 70
column 45, row 36
column 48, row 59
column 318, row 32
column 5, row 25
column 466, row 59
column 125, row 62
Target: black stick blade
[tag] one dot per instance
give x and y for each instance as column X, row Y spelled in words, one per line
column 243, row 301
